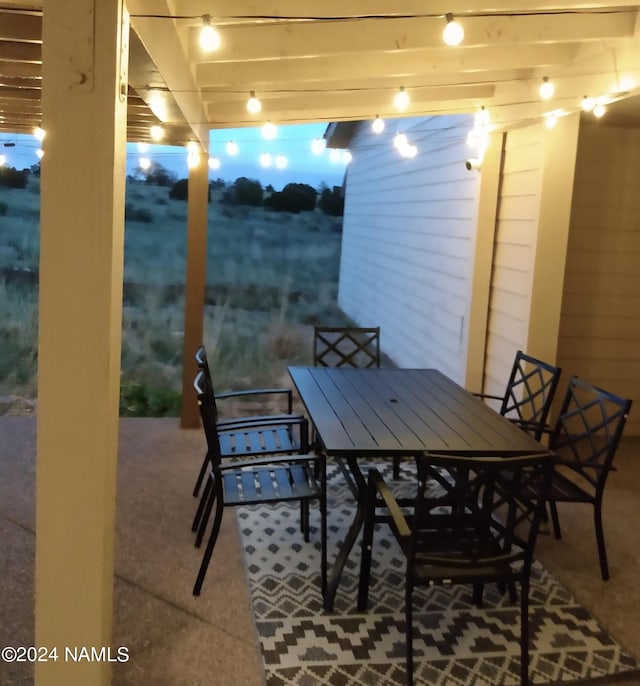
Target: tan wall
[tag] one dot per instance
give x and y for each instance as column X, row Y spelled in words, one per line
column 600, row 329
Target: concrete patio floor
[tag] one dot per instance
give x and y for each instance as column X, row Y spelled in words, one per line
column 175, row 639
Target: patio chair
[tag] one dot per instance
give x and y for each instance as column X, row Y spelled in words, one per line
column 585, row 440
column 476, row 527
column 337, row 346
column 529, row 393
column 269, row 480
column 285, row 432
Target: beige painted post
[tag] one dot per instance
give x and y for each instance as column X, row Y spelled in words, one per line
column 483, row 262
column 194, row 286
column 85, row 56
column 556, row 193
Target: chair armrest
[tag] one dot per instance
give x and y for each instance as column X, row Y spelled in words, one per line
column 260, row 420
column 377, row 484
column 260, row 391
column 237, row 464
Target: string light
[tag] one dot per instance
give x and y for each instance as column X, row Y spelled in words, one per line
column 253, row 104
column 400, row 141
column 269, row 130
column 231, row 148
column 266, row 160
column 318, row 145
column 214, row 162
column 40, row 153
column 144, row 163
column 334, row 155
column 39, row 133
column 209, row 38
column 588, row 104
column 401, row 100
column 346, row 157
column 156, row 132
column 193, row 155
column 599, row 110
column 143, row 147
column 551, row 119
column 281, row 161
column 377, row 125
column 453, row 32
column 547, row 89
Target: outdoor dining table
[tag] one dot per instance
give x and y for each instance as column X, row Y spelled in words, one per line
column 386, row 412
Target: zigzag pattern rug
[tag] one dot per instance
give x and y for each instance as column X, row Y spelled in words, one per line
column 457, row 643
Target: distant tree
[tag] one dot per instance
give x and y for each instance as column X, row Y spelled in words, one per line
column 180, row 190
column 217, row 184
column 244, row 191
column 35, row 169
column 332, row 201
column 160, row 176
column 12, row 178
column 294, row 197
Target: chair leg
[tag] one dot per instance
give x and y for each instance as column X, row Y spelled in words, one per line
column 524, row 632
column 304, row 519
column 396, row 468
column 408, row 618
column 206, row 558
column 367, row 546
column 323, row 526
column 201, row 505
column 201, row 475
column 555, row 519
column 212, row 497
column 602, row 551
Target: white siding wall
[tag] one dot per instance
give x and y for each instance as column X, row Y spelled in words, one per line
column 407, row 242
column 514, row 254
column 600, row 328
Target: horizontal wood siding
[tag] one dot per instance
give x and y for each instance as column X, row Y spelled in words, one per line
column 600, row 328
column 514, row 254
column 406, row 247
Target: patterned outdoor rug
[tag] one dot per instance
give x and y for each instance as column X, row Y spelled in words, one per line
column 457, row 643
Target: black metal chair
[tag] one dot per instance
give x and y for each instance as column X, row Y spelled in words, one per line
column 585, row 439
column 529, row 393
column 276, row 479
column 336, row 346
column 475, row 527
column 281, row 433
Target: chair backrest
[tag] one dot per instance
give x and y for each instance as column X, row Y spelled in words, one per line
column 335, row 346
column 203, row 366
column 587, row 432
column 530, row 390
column 208, row 414
column 471, row 503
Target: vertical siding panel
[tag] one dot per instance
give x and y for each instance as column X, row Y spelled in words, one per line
column 601, row 305
column 407, row 245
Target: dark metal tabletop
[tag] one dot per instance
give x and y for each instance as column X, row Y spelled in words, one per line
column 393, row 411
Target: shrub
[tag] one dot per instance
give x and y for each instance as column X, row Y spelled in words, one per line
column 12, row 178
column 294, row 197
column 137, row 214
column 4, row 208
column 180, row 190
column 244, row 191
column 139, row 400
column 159, row 176
column 332, row 201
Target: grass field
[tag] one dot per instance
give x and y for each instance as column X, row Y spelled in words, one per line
column 270, row 277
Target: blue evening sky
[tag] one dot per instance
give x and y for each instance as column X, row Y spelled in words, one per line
column 294, row 142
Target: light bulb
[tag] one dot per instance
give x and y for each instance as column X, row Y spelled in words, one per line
column 265, row 159
column 401, row 100
column 453, row 32
column 551, row 120
column 409, row 151
column 269, row 130
column 209, row 38
column 588, row 103
column 39, row 133
column 157, row 132
column 318, row 145
column 143, row 147
column 40, row 153
column 231, row 148
column 599, row 110
column 346, row 157
column 400, row 141
column 214, row 162
column 253, row 104
column 334, row 155
column 547, row 89
column 377, row 125
column 144, row 163
column 281, row 161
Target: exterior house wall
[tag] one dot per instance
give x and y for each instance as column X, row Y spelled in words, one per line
column 408, row 239
column 600, row 326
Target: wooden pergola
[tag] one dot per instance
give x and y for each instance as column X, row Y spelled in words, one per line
column 95, row 75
